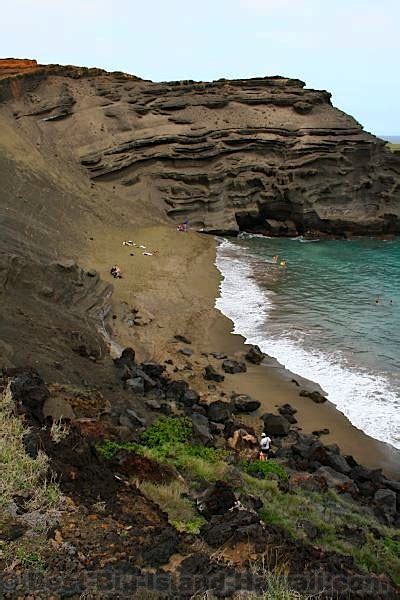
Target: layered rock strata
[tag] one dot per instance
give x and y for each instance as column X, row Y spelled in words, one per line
column 264, row 154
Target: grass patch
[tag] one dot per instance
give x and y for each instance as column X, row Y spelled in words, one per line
column 19, row 472
column 190, row 461
column 283, row 509
column 393, row 546
column 379, row 556
column 109, row 448
column 263, row 468
column 26, row 553
column 277, row 587
column 171, row 499
column 167, row 441
column 331, row 515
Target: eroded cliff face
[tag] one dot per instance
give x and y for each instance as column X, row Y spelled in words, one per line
column 263, row 154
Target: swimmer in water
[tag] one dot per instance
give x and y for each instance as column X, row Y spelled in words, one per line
column 275, row 258
column 283, row 264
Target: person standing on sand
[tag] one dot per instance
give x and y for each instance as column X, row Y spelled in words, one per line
column 265, row 443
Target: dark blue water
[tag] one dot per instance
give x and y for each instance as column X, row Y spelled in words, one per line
column 332, row 315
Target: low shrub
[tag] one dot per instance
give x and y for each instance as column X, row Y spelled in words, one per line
column 108, row 449
column 263, row 468
column 166, row 431
column 209, row 454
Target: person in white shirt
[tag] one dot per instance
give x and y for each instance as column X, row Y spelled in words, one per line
column 265, row 443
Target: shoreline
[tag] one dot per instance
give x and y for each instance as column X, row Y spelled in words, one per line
column 272, row 384
column 178, row 288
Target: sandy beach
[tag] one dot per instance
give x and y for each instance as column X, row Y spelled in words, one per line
column 175, row 290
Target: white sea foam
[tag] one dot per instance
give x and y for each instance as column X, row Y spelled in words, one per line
column 368, row 400
column 240, row 299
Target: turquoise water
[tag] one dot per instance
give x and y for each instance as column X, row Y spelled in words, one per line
column 320, row 318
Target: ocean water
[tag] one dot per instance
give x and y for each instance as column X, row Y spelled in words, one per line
column 319, row 317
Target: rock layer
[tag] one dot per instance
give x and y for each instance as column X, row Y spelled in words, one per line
column 264, row 154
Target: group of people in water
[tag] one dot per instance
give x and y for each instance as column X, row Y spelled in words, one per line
column 378, row 300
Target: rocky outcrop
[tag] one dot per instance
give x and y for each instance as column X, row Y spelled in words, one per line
column 15, row 66
column 264, row 154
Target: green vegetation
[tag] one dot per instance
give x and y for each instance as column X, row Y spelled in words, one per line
column 276, row 588
column 30, row 559
column 171, row 499
column 25, row 552
column 167, row 441
column 20, row 472
column 379, row 556
column 393, row 545
column 331, row 516
column 190, row 460
column 167, row 430
column 109, row 449
column 263, row 468
column 326, row 514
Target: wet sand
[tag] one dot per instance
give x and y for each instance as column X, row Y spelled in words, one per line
column 178, row 286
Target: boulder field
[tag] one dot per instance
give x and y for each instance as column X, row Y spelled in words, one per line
column 143, row 502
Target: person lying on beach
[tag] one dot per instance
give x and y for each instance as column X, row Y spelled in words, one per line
column 183, row 226
column 116, row 272
column 128, row 243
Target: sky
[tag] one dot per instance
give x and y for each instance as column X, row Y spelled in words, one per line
column 348, row 47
